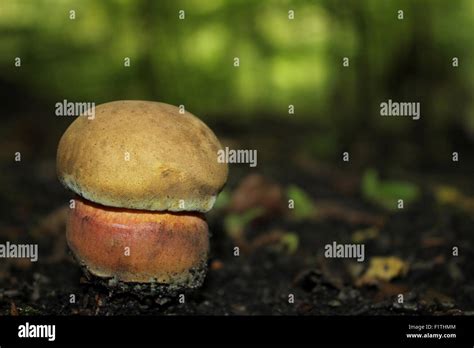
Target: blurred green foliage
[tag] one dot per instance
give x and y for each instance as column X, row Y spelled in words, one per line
column 235, row 224
column 223, row 200
column 304, row 207
column 282, row 61
column 290, row 242
column 387, row 193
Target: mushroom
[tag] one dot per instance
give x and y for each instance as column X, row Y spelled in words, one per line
column 144, row 175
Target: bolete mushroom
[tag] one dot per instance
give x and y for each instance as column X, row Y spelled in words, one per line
column 144, row 175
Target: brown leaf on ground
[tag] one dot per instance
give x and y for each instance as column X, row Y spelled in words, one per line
column 278, row 239
column 340, row 180
column 383, row 269
column 434, row 297
column 258, row 191
column 432, row 242
column 216, row 265
column 334, row 272
column 388, row 290
column 13, row 309
column 452, row 196
column 338, row 211
column 269, row 238
column 21, row 263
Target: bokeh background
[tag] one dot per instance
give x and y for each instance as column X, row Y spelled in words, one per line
column 283, row 62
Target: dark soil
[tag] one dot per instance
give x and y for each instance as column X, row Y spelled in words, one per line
column 261, row 279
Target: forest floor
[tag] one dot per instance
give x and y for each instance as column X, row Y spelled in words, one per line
column 281, row 268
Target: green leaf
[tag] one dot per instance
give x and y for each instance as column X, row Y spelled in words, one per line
column 304, row 205
column 290, row 242
column 387, row 193
column 234, row 224
column 223, row 200
column 370, row 182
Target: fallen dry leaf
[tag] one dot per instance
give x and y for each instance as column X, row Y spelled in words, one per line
column 279, row 239
column 433, row 297
column 383, row 269
column 432, row 242
column 258, row 191
column 343, row 181
column 326, row 209
column 334, row 272
column 362, row 235
column 216, row 265
column 388, row 290
column 13, row 309
column 452, row 196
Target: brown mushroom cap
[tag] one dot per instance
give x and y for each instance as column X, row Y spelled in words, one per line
column 142, row 155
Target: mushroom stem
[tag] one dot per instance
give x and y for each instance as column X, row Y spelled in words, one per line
column 139, row 246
